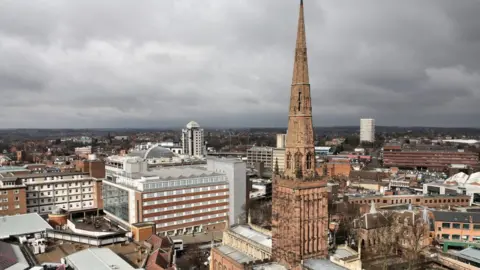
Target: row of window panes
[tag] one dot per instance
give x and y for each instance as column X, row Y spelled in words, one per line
column 183, row 206
column 59, row 192
column 5, row 192
column 5, row 207
column 466, row 226
column 191, row 220
column 89, row 196
column 59, row 185
column 185, row 198
column 182, row 191
column 187, row 213
column 184, row 182
column 49, row 208
column 458, row 237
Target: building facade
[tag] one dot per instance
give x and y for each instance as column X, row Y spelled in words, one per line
column 12, row 197
column 179, row 199
column 456, row 226
column 281, row 140
column 439, row 201
column 258, row 154
column 193, row 141
column 367, row 130
column 300, row 199
column 279, row 159
column 431, row 160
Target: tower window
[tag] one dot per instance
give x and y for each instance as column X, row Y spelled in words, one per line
column 299, row 99
column 288, row 160
column 309, row 161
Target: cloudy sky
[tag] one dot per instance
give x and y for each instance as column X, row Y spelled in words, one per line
column 162, row 63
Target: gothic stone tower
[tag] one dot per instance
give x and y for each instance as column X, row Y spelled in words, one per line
column 300, row 203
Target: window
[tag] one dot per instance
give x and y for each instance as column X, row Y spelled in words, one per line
column 445, row 236
column 476, row 227
column 466, row 226
column 465, row 237
column 445, row 225
column 16, row 191
column 455, row 237
column 17, row 198
column 456, row 225
column 288, row 161
column 309, row 161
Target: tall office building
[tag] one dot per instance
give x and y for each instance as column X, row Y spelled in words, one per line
column 193, row 141
column 281, row 139
column 367, row 130
column 299, row 200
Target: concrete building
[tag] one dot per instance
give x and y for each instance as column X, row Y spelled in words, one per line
column 281, row 139
column 83, row 151
column 193, row 141
column 179, row 199
column 367, row 130
column 258, row 154
column 279, row 158
column 44, row 192
column 69, row 191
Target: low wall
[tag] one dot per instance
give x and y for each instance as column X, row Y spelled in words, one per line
column 74, row 229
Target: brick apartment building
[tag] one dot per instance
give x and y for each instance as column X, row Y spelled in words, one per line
column 179, row 199
column 456, row 226
column 12, row 197
column 438, row 201
column 432, row 160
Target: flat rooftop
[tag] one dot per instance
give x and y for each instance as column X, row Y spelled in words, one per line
column 97, row 259
column 236, row 255
column 178, row 172
column 57, row 249
column 22, row 224
column 253, row 235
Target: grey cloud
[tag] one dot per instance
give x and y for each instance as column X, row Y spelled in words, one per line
column 163, row 63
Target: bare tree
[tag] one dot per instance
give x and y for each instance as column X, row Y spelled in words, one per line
column 381, row 234
column 414, row 232
column 194, row 258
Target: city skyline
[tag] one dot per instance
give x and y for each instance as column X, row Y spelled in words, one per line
column 229, row 64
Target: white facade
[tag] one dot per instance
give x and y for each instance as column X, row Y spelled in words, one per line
column 68, row 191
column 281, row 140
column 367, row 130
column 179, row 199
column 193, row 141
column 236, row 172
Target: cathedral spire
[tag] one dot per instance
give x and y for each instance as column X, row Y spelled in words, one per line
column 300, row 148
column 300, row 70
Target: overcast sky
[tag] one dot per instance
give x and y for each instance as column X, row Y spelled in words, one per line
column 162, row 63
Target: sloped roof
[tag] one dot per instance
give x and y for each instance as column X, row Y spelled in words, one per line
column 462, row 217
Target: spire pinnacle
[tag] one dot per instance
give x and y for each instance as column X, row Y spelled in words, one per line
column 300, row 74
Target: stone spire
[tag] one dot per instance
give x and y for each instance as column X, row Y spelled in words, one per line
column 300, row 148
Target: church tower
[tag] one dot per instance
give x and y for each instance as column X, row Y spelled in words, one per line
column 300, row 200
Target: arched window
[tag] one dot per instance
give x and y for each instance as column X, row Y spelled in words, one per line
column 289, row 161
column 298, row 161
column 309, row 161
